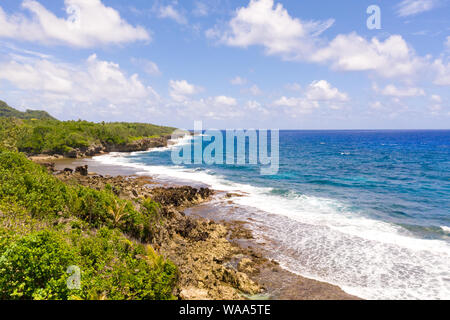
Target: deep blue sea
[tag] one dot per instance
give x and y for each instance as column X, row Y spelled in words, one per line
column 366, row 210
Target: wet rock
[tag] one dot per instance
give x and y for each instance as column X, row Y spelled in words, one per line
column 238, row 280
column 94, row 150
column 233, row 195
column 82, row 170
column 181, row 196
column 68, row 170
column 246, row 266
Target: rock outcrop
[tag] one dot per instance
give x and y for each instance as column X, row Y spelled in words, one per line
column 211, row 260
column 180, row 196
column 198, row 247
column 99, row 149
column 82, row 170
column 139, row 145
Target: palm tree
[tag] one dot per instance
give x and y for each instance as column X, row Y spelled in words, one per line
column 117, row 211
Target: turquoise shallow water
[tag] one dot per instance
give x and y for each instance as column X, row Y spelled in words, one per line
column 367, row 210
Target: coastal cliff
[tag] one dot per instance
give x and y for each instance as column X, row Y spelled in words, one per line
column 45, row 135
column 97, row 149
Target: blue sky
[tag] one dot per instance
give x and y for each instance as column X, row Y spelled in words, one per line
column 233, row 64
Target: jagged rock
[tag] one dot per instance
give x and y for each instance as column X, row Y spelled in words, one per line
column 68, row 170
column 139, row 145
column 180, row 196
column 94, row 150
column 246, row 266
column 97, row 149
column 238, row 280
column 232, row 195
column 83, row 170
column 194, row 293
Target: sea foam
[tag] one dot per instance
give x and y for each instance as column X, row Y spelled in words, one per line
column 323, row 239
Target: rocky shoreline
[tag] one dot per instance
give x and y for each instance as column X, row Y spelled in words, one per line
column 143, row 144
column 212, row 260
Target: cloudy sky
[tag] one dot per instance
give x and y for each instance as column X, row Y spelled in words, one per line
column 284, row 64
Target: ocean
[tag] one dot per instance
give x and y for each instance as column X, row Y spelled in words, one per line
column 368, row 211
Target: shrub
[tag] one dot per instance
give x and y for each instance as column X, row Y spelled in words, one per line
column 112, row 267
column 46, row 226
column 30, row 185
column 116, row 268
column 35, row 268
column 52, row 136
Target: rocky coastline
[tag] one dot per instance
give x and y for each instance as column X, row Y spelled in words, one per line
column 143, row 144
column 213, row 264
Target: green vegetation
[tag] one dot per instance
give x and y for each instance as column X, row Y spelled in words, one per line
column 48, row 136
column 47, row 226
column 36, row 135
column 10, row 130
column 9, row 112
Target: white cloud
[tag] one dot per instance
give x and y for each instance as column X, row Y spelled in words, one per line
column 172, row 13
column 225, row 101
column 200, row 9
column 436, row 105
column 435, row 109
column 82, row 27
column 436, row 98
column 447, row 43
column 253, row 90
column 216, row 108
column 316, row 94
column 442, row 73
column 269, row 25
column 180, row 90
column 323, row 91
column 10, row 48
column 300, row 105
column 377, row 105
column 255, row 106
column 393, row 91
column 238, row 81
column 92, row 83
column 147, row 66
column 391, row 58
column 151, row 68
column 412, row 7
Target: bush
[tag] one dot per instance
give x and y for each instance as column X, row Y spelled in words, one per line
column 31, row 186
column 116, row 268
column 46, row 226
column 10, row 130
column 35, row 268
column 52, row 136
column 112, row 267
